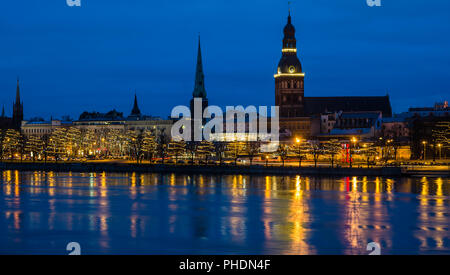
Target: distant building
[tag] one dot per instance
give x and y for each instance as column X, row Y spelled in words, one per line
column 42, row 128
column 100, row 121
column 5, row 122
column 360, row 125
column 15, row 121
column 429, row 130
column 137, row 121
column 155, row 124
column 320, row 105
column 114, row 120
column 439, row 110
column 327, row 122
column 395, row 128
column 135, row 112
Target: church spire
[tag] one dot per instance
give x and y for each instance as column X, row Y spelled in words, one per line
column 17, row 93
column 17, row 109
column 289, row 11
column 135, row 111
column 199, row 89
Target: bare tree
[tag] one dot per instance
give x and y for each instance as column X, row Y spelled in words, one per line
column 191, row 148
column 315, row 149
column 177, row 148
column 2, row 143
column 332, row 148
column 282, row 152
column 205, row 149
column 162, row 144
column 300, row 151
column 136, row 144
column 252, row 148
column 370, row 151
column 219, row 149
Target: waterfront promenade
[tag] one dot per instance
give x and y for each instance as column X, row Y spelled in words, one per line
column 442, row 171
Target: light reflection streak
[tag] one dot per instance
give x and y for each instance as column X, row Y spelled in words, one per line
column 282, row 210
column 16, row 184
column 432, row 222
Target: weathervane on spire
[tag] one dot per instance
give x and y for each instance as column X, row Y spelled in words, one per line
column 289, row 7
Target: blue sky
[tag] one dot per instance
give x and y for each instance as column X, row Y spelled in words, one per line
column 93, row 57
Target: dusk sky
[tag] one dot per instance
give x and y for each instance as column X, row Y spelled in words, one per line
column 93, row 57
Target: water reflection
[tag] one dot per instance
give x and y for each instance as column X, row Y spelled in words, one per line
column 228, row 214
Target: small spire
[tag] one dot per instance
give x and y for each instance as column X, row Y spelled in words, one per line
column 135, row 111
column 289, row 12
column 3, row 111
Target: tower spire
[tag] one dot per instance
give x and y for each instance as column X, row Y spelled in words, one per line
column 18, row 92
column 17, row 109
column 199, row 88
column 135, row 111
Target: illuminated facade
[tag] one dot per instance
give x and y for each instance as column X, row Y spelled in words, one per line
column 41, row 128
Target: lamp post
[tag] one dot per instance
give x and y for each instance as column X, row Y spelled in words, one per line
column 424, row 149
column 433, row 147
column 353, row 141
column 388, row 149
column 235, row 150
column 298, row 141
column 440, row 151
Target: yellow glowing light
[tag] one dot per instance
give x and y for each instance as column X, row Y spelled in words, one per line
column 296, row 74
column 289, row 50
column 354, row 140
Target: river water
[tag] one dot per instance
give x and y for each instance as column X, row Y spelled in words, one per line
column 120, row 213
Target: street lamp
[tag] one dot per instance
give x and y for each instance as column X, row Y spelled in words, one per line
column 299, row 151
column 354, row 140
column 424, row 149
column 440, row 151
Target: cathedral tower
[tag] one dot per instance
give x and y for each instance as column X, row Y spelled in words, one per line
column 289, row 87
column 289, row 80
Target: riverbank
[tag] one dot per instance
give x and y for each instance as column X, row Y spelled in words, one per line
column 215, row 169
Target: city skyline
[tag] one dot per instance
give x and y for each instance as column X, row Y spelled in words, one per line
column 48, row 91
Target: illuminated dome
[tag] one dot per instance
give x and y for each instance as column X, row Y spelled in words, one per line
column 289, row 62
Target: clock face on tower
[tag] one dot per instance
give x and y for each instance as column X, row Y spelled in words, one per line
column 292, row 69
